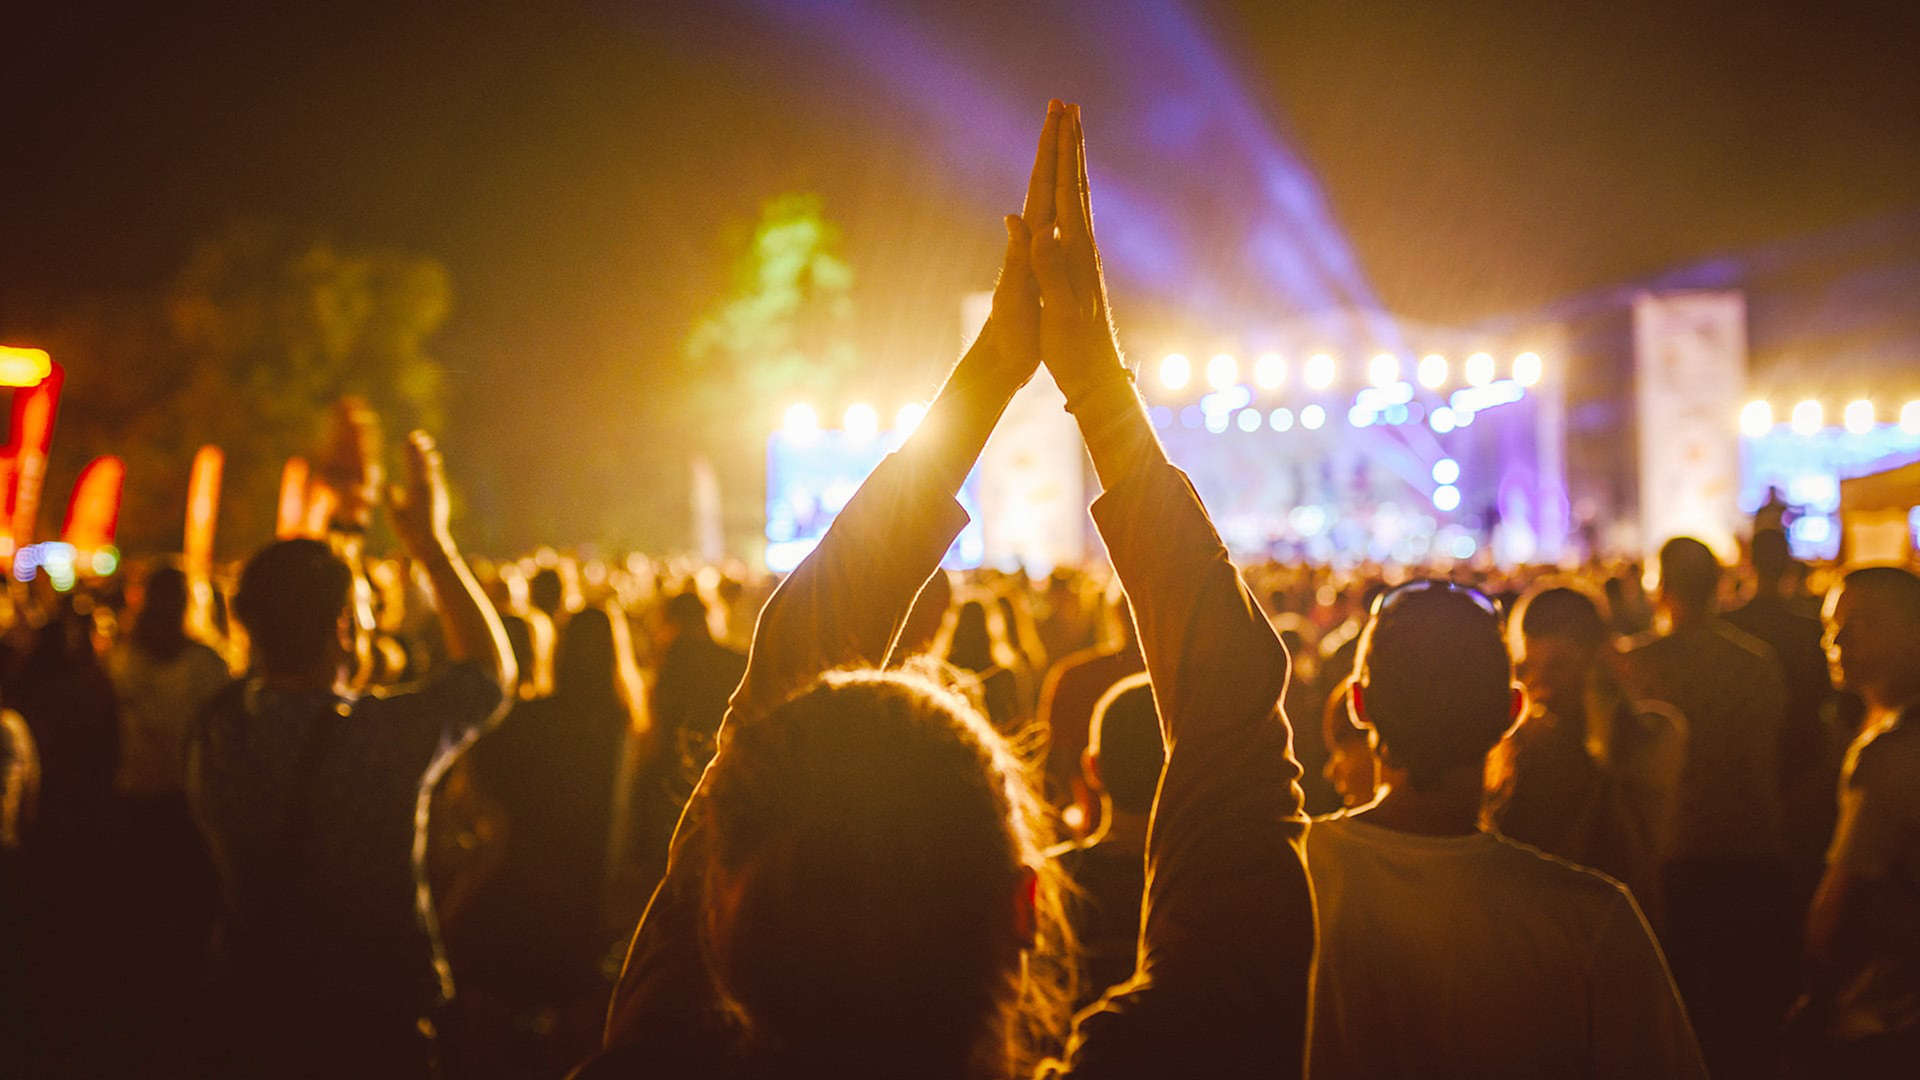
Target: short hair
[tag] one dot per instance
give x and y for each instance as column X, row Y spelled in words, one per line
column 290, row 599
column 546, row 590
column 1437, row 682
column 686, row 609
column 1772, row 556
column 1689, row 571
column 1125, row 736
column 1560, row 611
column 1897, row 588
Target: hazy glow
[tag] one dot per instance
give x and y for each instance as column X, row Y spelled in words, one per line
column 800, row 420
column 1808, row 417
column 1756, row 419
column 1312, row 417
column 1479, row 369
column 1441, row 420
column 1446, row 498
column 908, row 418
column 1527, row 369
column 1282, row 419
column 1249, row 419
column 1910, row 418
column 1446, row 471
column 1433, row 371
column 861, row 422
column 23, row 367
column 1858, row 416
column 1222, row 371
column 1320, row 371
column 1384, row 370
column 1270, row 371
column 1175, row 372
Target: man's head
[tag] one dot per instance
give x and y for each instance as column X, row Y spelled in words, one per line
column 547, row 591
column 1433, row 679
column 1772, row 560
column 302, row 609
column 1689, row 578
column 1557, row 636
column 687, row 614
column 1873, row 634
column 1124, row 752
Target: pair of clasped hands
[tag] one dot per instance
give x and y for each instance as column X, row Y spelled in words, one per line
column 1051, row 300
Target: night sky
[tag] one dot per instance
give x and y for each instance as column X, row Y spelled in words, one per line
column 576, row 169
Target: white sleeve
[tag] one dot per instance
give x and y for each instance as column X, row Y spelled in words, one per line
column 1638, row 1027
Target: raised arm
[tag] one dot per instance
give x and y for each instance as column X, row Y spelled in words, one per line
column 420, row 512
column 1227, row 931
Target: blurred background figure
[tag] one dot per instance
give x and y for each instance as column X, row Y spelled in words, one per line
column 696, row 677
column 1073, row 688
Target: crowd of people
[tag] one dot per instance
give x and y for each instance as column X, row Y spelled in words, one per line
column 348, row 814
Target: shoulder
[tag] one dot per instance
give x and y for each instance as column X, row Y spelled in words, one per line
column 1556, row 873
column 1890, row 755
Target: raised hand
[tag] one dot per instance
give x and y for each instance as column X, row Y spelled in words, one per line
column 1076, row 331
column 420, row 509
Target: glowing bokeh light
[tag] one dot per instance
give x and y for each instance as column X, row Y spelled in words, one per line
column 1910, row 418
column 1384, row 370
column 1320, row 371
column 1433, row 371
column 1446, row 498
column 1446, row 471
column 1756, row 418
column 1249, row 420
column 1280, row 419
column 1479, row 371
column 800, row 420
column 1527, row 369
column 907, row 419
column 1312, row 417
column 23, row 367
column 860, row 421
column 1441, row 420
column 1175, row 371
column 1270, row 371
column 1222, row 371
column 1808, row 417
column 1858, row 416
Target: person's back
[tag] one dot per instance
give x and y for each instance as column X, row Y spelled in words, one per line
column 1474, row 955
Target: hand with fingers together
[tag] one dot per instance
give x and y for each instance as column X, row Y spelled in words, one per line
column 1076, row 328
column 420, row 509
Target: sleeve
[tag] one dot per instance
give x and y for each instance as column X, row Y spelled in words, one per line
column 843, row 605
column 1876, row 819
column 1227, row 933
column 1639, row 1027
column 458, row 701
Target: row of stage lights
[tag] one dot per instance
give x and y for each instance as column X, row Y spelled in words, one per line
column 861, row 421
column 1809, row 417
column 1321, row 371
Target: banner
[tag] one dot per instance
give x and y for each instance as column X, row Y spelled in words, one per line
column 94, row 511
column 1690, row 358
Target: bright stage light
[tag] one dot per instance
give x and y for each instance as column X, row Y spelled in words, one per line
column 1910, row 418
column 1384, row 370
column 23, row 367
column 1175, row 372
column 1360, row 417
column 1446, row 471
column 1270, row 371
column 1441, row 420
column 1249, row 419
column 1756, row 419
column 800, row 420
column 908, row 418
column 1433, row 371
column 860, row 421
column 1527, row 369
column 1222, row 371
column 1217, row 422
column 1808, row 417
column 1282, row 419
column 1320, row 371
column 1479, row 369
column 1312, row 417
column 1446, row 498
column 1858, row 416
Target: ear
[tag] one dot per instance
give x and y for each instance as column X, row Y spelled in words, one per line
column 1518, row 708
column 1357, row 704
column 1090, row 768
column 1026, row 902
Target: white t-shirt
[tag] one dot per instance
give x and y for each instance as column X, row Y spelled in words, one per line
column 1478, row 956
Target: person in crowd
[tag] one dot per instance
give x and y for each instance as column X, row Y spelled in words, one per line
column 1352, row 769
column 1443, row 946
column 858, row 887
column 1067, row 621
column 697, row 675
column 532, row 938
column 1810, row 758
column 1861, row 1016
column 976, row 643
column 920, row 634
column 1727, row 893
column 1122, row 764
column 1067, row 699
column 307, row 794
column 1546, row 787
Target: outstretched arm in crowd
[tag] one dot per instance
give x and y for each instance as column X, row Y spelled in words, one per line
column 843, row 606
column 1227, row 933
column 420, row 511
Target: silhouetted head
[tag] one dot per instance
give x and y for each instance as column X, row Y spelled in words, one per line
column 977, row 641
column 1557, row 635
column 687, row 614
column 1689, row 577
column 301, row 609
column 1772, row 559
column 584, row 658
column 1873, row 634
column 1433, row 679
column 546, row 591
column 1125, row 753
column 873, row 875
column 159, row 629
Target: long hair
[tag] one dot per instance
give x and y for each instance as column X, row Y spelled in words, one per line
column 866, row 840
column 594, row 663
column 160, row 628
